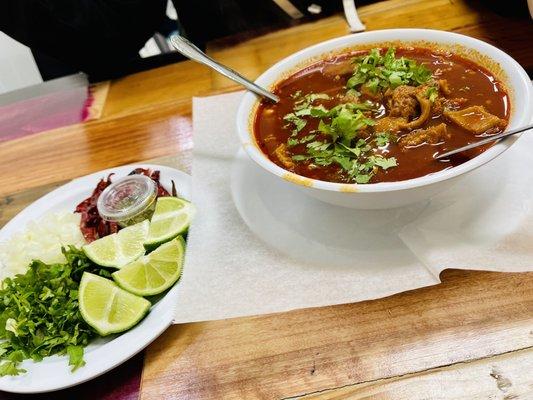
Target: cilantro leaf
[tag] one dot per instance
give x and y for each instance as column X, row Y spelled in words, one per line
column 308, row 99
column 344, row 162
column 384, row 138
column 318, row 112
column 10, row 368
column 298, row 122
column 328, row 130
column 385, row 163
column 299, row 157
column 75, row 354
column 432, row 93
column 291, row 142
column 362, row 178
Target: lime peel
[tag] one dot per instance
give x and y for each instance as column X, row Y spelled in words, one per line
column 155, row 272
column 172, row 217
column 108, row 308
column 120, row 248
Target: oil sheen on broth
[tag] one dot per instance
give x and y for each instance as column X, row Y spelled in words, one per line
column 380, row 116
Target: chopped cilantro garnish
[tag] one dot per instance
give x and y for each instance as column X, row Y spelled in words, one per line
column 308, row 99
column 384, row 163
column 362, row 178
column 299, row 157
column 303, row 107
column 378, row 71
column 359, row 162
column 353, row 92
column 39, row 314
column 307, row 138
column 299, row 123
column 384, row 138
column 317, row 111
column 75, row 355
column 291, row 142
column 339, row 139
column 432, row 93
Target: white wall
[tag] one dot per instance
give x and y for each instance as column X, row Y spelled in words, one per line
column 17, row 66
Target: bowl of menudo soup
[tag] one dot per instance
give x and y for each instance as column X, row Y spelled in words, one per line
column 362, row 117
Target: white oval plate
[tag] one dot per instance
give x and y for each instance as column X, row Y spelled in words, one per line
column 103, row 354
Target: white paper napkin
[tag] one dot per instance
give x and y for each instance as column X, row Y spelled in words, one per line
column 485, row 222
column 229, row 272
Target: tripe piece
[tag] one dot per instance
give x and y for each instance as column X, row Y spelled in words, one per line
column 475, row 119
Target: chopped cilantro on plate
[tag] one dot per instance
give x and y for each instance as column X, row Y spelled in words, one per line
column 39, row 313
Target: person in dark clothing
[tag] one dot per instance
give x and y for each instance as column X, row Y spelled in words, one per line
column 95, row 36
column 103, row 37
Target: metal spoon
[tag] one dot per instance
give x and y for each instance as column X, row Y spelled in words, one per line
column 192, row 52
column 484, row 141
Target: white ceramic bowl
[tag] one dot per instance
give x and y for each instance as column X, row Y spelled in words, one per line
column 392, row 194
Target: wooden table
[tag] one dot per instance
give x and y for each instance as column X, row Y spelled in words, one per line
column 469, row 338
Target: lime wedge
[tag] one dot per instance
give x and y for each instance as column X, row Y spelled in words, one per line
column 154, row 273
column 108, row 308
column 120, row 248
column 172, row 217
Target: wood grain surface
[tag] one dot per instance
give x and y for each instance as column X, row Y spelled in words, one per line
column 468, row 338
column 78, row 150
column 470, row 316
column 506, row 377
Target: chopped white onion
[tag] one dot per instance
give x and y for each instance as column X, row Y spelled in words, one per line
column 40, row 240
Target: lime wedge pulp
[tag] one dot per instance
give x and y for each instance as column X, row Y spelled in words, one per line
column 172, row 217
column 108, row 308
column 155, row 272
column 120, row 248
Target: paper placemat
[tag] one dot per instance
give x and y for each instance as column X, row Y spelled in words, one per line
column 229, row 272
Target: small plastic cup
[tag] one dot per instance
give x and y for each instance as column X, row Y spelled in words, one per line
column 128, row 201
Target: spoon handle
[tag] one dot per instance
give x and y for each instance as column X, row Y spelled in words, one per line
column 192, row 52
column 484, row 141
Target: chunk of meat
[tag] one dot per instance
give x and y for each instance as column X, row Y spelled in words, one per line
column 441, row 104
column 444, row 88
column 282, row 154
column 402, row 102
column 454, row 104
column 332, row 70
column 425, row 112
column 437, row 108
column 432, row 135
column 475, row 119
column 269, row 138
column 390, row 124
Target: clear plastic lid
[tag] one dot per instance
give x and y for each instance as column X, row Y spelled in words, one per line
column 126, row 198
